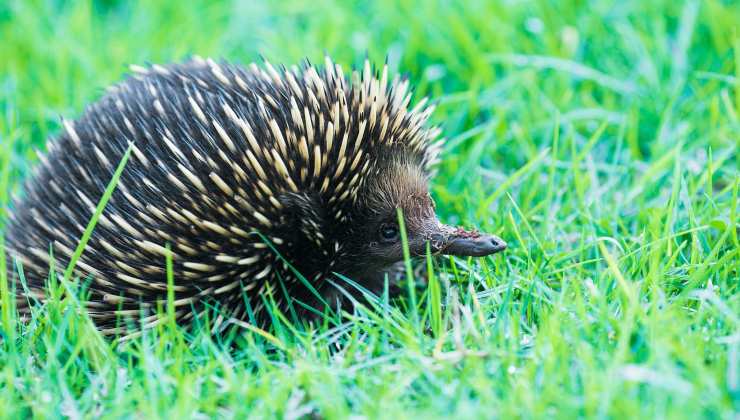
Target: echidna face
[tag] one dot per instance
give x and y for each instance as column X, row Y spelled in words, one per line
column 378, row 244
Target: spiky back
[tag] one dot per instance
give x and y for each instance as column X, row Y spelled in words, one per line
column 219, row 152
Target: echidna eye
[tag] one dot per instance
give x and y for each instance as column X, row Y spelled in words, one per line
column 388, row 232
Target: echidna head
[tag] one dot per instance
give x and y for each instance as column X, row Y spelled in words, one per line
column 374, row 242
column 347, row 219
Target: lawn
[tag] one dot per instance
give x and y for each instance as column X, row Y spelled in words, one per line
column 599, row 139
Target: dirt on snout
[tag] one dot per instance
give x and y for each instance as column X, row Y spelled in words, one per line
column 461, row 232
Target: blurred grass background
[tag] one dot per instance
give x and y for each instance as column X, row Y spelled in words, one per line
column 599, row 138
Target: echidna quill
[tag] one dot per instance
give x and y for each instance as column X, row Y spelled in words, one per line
column 239, row 171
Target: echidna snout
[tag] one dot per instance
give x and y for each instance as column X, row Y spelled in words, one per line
column 255, row 180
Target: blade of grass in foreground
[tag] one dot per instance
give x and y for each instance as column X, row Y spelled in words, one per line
column 7, row 311
column 435, row 296
column 409, row 270
column 98, row 212
column 5, row 298
column 170, row 273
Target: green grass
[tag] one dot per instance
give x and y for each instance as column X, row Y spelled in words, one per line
column 599, row 139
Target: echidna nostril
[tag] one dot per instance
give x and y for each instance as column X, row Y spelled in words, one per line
column 498, row 243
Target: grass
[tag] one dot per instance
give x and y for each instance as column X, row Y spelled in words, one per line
column 599, row 139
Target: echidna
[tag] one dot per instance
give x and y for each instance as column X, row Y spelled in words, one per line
column 260, row 180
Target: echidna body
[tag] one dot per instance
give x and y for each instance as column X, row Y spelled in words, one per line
column 249, row 175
